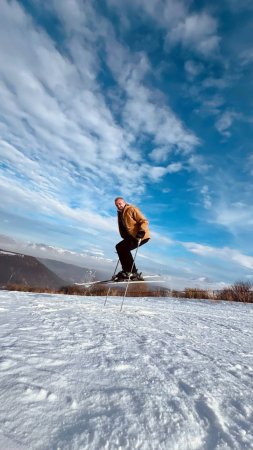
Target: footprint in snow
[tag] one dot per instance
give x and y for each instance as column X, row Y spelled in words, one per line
column 71, row 402
column 34, row 394
column 6, row 364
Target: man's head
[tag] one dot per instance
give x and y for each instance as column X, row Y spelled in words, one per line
column 119, row 203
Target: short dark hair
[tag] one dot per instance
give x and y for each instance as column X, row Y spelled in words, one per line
column 118, row 198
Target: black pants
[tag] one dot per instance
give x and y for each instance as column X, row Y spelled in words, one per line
column 124, row 252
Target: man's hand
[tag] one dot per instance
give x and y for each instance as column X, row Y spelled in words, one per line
column 140, row 234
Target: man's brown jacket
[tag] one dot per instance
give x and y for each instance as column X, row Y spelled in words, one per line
column 131, row 220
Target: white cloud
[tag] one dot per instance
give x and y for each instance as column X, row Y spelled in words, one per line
column 198, row 32
column 218, row 83
column 246, row 57
column 193, row 68
column 160, row 154
column 174, row 167
column 197, row 163
column 225, row 253
column 144, row 114
column 16, row 195
column 68, row 153
column 164, row 13
column 92, row 258
column 15, row 157
column 230, row 190
column 53, row 105
column 206, row 197
column 225, row 122
column 212, row 105
column 234, row 216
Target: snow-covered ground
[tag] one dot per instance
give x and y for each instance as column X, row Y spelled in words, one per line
column 162, row 374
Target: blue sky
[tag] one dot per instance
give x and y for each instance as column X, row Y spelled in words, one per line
column 148, row 100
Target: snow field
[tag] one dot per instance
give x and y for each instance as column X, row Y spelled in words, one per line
column 162, row 374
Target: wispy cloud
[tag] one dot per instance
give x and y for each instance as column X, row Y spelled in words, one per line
column 225, row 121
column 193, row 68
column 163, row 13
column 79, row 129
column 206, row 197
column 197, row 163
column 235, row 216
column 226, row 254
column 198, row 32
column 246, row 57
column 135, row 98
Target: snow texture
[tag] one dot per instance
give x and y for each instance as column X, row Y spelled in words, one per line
column 3, row 252
column 162, row 374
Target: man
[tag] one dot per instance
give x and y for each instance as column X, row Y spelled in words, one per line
column 133, row 228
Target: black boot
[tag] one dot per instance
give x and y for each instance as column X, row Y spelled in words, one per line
column 121, row 276
column 137, row 276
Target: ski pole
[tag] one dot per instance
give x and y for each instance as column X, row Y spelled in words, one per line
column 139, row 241
column 112, row 279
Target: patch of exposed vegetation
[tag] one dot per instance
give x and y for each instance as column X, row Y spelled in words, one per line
column 240, row 291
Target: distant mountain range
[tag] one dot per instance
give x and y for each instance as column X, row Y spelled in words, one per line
column 17, row 268
column 90, row 259
column 70, row 272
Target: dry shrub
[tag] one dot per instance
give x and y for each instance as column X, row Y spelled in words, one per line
column 72, row 290
column 159, row 293
column 17, row 287
column 25, row 288
column 225, row 294
column 241, row 291
column 177, row 294
column 196, row 293
column 99, row 291
column 117, row 291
